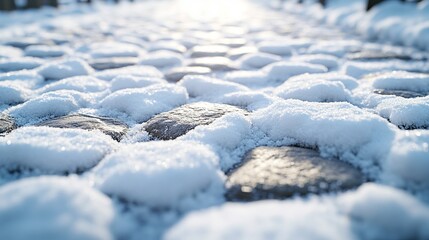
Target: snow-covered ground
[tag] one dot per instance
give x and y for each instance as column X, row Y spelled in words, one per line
column 352, row 85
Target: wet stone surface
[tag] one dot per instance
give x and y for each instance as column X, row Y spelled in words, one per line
column 377, row 55
column 282, row 172
column 6, row 124
column 110, row 63
column 179, row 121
column 175, row 74
column 214, row 63
column 108, row 126
column 209, row 51
column 399, row 93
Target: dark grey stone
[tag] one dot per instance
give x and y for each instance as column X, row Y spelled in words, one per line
column 177, row 122
column 399, row 93
column 377, row 55
column 109, row 126
column 214, row 63
column 236, row 53
column 232, row 42
column 25, row 42
column 209, row 51
column 175, row 74
column 110, row 63
column 282, row 172
column 6, row 124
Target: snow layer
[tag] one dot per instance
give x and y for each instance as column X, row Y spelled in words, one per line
column 54, row 208
column 131, row 81
column 146, row 102
column 162, row 58
column 336, row 128
column 401, row 80
column 54, row 150
column 16, row 64
column 79, row 83
column 64, row 69
column 408, row 113
column 13, row 93
column 51, row 104
column 170, row 174
column 138, row 71
column 281, row 71
column 314, row 90
column 110, row 49
column 207, row 87
column 258, row 60
column 372, row 212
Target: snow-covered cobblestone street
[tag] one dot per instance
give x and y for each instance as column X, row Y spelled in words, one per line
column 211, row 119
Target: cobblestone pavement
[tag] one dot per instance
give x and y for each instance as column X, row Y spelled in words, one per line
column 118, row 121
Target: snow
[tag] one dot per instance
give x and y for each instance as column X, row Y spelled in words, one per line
column 176, row 174
column 10, row 52
column 250, row 100
column 408, row 158
column 54, row 208
column 167, row 45
column 329, row 61
column 42, row 51
column 131, row 81
column 247, row 78
column 110, row 49
column 314, row 90
column 25, row 75
column 360, row 69
column 372, row 212
column 162, row 58
column 337, row 48
column 12, row 93
column 349, row 82
column 64, row 69
column 408, row 113
column 15, row 64
column 386, row 212
column 146, row 101
column 281, row 71
column 321, row 78
column 197, row 86
column 79, row 83
column 273, row 47
column 258, row 60
column 138, row 71
column 401, row 80
column 325, row 126
column 50, row 104
column 225, row 133
column 54, row 150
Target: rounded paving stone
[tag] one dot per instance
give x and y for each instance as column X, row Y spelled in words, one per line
column 214, row 63
column 175, row 74
column 110, row 63
column 282, row 172
column 179, row 121
column 6, row 124
column 108, row 126
column 376, row 55
column 209, row 51
column 399, row 93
